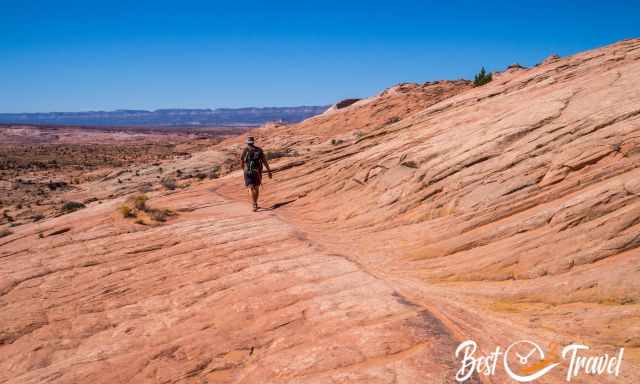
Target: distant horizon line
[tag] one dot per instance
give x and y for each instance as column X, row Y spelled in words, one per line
column 121, row 110
column 325, row 105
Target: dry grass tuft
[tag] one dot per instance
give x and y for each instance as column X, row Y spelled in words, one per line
column 140, row 202
column 137, row 207
column 126, row 211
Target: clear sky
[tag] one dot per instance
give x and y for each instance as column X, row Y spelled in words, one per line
column 103, row 55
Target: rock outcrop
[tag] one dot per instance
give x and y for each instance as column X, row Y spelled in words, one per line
column 405, row 224
column 345, row 103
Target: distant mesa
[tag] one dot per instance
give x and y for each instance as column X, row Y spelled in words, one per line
column 170, row 117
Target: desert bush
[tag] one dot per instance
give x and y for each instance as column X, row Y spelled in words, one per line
column 201, row 176
column 157, row 215
column 140, row 202
column 137, row 205
column 168, row 183
column 482, row 78
column 270, row 155
column 71, row 206
column 5, row 232
column 160, row 215
column 126, row 211
column 336, row 141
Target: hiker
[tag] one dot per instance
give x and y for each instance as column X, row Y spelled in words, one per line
column 252, row 159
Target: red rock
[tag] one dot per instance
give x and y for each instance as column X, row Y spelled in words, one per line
column 516, row 219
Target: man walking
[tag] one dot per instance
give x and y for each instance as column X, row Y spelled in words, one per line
column 252, row 160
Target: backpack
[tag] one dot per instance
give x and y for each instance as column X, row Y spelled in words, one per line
column 253, row 160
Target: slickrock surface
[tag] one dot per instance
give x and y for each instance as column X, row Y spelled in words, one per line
column 386, row 108
column 505, row 212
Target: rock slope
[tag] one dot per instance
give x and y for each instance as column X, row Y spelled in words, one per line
column 505, row 212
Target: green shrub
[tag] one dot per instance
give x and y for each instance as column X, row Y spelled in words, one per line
column 482, row 78
column 5, row 232
column 71, row 206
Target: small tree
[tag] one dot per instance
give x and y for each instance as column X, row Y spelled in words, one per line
column 482, row 78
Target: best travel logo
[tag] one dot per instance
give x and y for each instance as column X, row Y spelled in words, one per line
column 525, row 361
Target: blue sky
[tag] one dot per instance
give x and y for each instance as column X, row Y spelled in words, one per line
column 97, row 55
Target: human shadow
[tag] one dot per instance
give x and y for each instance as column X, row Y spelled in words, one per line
column 281, row 204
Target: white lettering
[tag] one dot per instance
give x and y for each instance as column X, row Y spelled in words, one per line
column 469, row 362
column 591, row 365
column 486, row 364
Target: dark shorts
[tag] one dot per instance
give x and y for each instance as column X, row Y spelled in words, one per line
column 252, row 179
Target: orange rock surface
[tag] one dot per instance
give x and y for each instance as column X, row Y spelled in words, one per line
column 389, row 235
